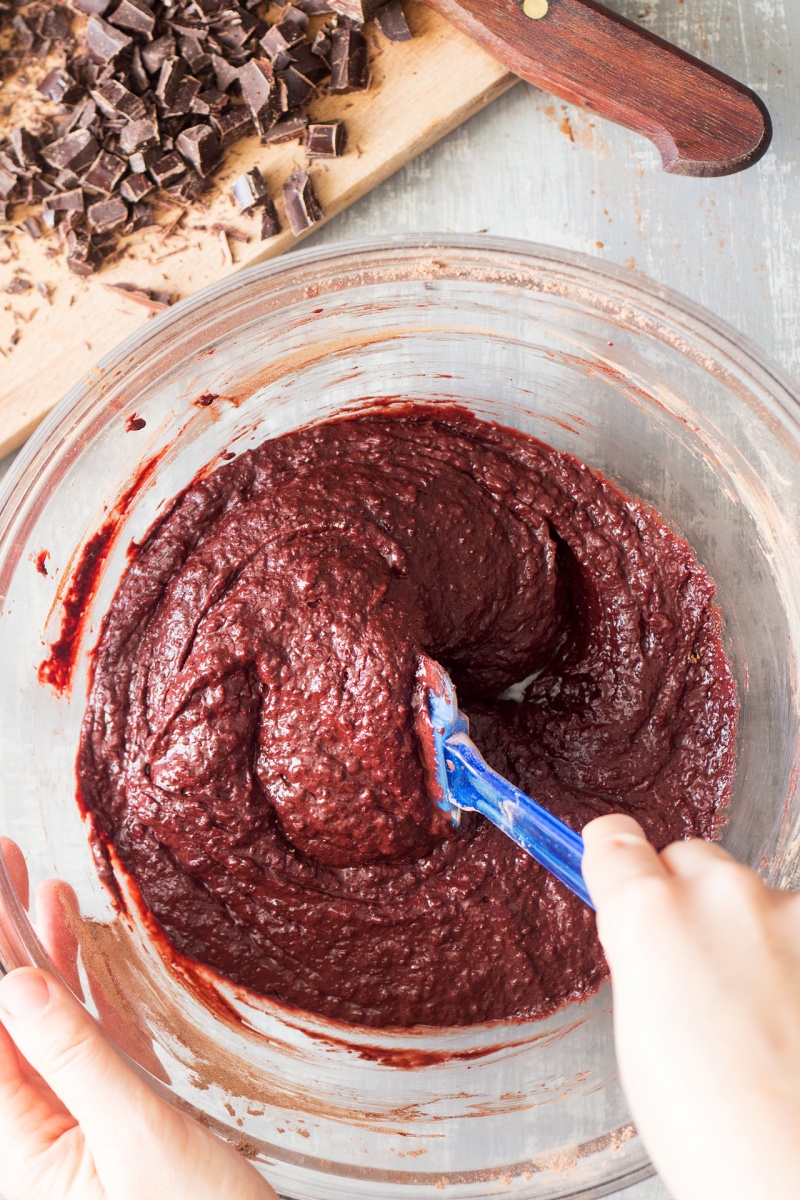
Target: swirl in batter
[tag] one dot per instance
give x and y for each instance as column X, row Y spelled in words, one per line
column 249, row 744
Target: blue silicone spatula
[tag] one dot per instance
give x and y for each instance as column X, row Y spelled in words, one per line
column 466, row 781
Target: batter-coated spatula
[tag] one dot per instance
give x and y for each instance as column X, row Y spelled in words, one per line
column 702, row 122
column 457, row 770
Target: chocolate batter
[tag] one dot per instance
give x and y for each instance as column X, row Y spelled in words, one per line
column 249, row 743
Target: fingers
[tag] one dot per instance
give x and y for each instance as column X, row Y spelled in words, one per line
column 57, row 912
column 63, row 1043
column 694, row 858
column 616, row 855
column 17, row 869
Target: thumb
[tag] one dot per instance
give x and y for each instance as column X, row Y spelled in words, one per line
column 64, row 1044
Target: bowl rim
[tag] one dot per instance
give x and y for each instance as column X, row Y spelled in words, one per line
column 615, row 282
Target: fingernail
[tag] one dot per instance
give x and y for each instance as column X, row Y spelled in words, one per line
column 24, row 995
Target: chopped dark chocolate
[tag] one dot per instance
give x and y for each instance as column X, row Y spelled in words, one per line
column 105, row 172
column 276, row 48
column 169, row 80
column 313, row 8
column 32, row 228
column 309, row 63
column 25, row 148
column 326, row 139
column 157, row 53
column 133, row 16
column 302, row 206
column 135, row 188
column 270, row 225
column 291, row 126
column 107, row 214
column 391, row 20
column 138, row 135
column 349, row 61
column 142, row 160
column 232, row 124
column 104, row 41
column 187, row 188
column 298, row 87
column 75, row 151
column 261, row 92
column 59, row 86
column 209, row 102
column 199, row 145
column 167, row 169
column 111, row 98
column 250, row 190
column 321, row 46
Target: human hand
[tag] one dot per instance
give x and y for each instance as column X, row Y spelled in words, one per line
column 76, row 1121
column 705, row 969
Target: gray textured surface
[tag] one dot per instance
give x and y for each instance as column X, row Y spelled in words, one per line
column 530, row 167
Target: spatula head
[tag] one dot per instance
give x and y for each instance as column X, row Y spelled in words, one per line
column 437, row 719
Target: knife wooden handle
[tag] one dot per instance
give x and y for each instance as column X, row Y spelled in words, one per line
column 702, row 122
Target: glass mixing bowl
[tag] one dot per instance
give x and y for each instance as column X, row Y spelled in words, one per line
column 633, row 380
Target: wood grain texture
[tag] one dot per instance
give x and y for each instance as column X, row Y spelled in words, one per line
column 702, row 121
column 404, row 112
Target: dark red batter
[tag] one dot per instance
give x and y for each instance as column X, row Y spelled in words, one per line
column 249, row 743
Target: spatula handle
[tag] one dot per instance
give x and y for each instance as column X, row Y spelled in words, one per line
column 702, row 122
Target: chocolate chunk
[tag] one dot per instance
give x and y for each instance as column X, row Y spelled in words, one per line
column 250, row 190
column 25, row 35
column 210, row 102
column 135, row 16
column 112, row 97
column 199, row 145
column 104, row 41
column 59, row 86
column 107, row 214
column 391, row 20
column 135, row 188
column 32, row 228
column 326, row 139
column 261, row 93
column 18, row 286
column 98, row 7
column 169, row 80
column 157, row 53
column 234, row 27
column 270, row 225
column 312, row 65
column 8, row 184
column 184, row 98
column 276, row 48
column 187, row 188
column 302, row 206
column 138, row 135
column 358, row 11
column 105, row 172
column 71, row 201
column 38, row 190
column 137, row 76
column 167, row 169
column 55, row 23
column 349, row 61
column 10, row 164
column 84, row 115
column 321, row 46
column 192, row 52
column 292, row 125
column 232, row 124
column 225, row 73
column 25, row 148
column 142, row 160
column 75, row 151
column 4, row 210
column 141, row 216
column 293, row 24
column 298, row 87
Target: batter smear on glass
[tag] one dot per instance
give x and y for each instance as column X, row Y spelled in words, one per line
column 249, row 744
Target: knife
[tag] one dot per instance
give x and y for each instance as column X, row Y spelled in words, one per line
column 702, row 122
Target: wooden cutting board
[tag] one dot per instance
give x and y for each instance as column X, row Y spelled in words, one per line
column 421, row 90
